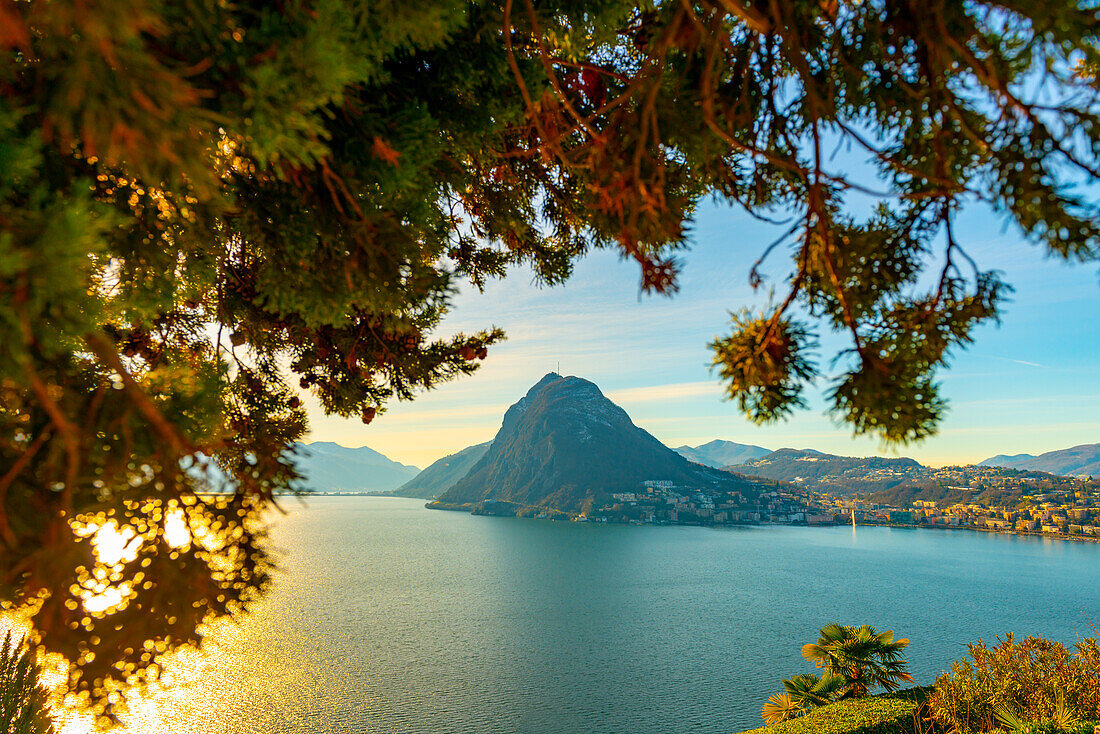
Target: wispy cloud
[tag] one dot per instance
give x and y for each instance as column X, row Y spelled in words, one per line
column 674, row 391
column 1076, row 400
column 474, row 411
column 1016, row 361
column 1084, row 427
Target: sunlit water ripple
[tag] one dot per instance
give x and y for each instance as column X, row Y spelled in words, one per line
column 392, row 618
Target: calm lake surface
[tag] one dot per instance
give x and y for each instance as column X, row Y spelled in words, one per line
column 392, row 618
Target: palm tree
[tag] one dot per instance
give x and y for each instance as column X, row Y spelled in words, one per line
column 864, row 657
column 805, row 692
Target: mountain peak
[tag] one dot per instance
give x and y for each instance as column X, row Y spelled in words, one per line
column 578, row 384
column 548, row 378
column 719, row 453
column 565, row 444
column 327, row 466
column 331, row 447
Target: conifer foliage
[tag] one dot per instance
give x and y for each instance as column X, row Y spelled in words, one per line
column 201, row 198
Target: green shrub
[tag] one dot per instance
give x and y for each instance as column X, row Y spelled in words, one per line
column 1035, row 680
column 888, row 713
column 22, row 699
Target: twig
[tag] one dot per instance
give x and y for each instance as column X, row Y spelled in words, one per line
column 9, row 477
column 102, row 348
column 510, row 52
column 67, row 430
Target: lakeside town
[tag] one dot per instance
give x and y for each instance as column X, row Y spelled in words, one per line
column 1076, row 517
column 1062, row 507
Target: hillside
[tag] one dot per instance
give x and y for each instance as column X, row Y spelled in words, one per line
column 564, row 446
column 328, row 467
column 1083, row 460
column 833, row 474
column 442, row 475
column 720, row 453
column 992, row 486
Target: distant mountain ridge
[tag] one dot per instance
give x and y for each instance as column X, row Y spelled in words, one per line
column 442, row 475
column 1083, row 460
column 1009, row 461
column 328, row 467
column 719, row 453
column 836, row 474
column 565, row 445
column 904, row 480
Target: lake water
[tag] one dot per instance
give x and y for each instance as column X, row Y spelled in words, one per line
column 392, row 618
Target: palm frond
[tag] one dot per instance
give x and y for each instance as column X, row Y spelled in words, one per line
column 815, row 653
column 1063, row 717
column 811, row 691
column 779, row 708
column 1009, row 719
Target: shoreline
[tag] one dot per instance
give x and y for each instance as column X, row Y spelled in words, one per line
column 471, row 509
column 1052, row 536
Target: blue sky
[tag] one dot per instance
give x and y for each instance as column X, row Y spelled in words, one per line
column 1028, row 386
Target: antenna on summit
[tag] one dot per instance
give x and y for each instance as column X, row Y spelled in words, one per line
column 558, row 370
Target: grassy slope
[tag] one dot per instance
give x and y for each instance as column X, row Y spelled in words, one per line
column 887, row 713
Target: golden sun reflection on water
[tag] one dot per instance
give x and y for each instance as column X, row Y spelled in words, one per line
column 181, row 703
column 250, row 676
column 114, row 546
column 182, row 695
column 219, row 690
